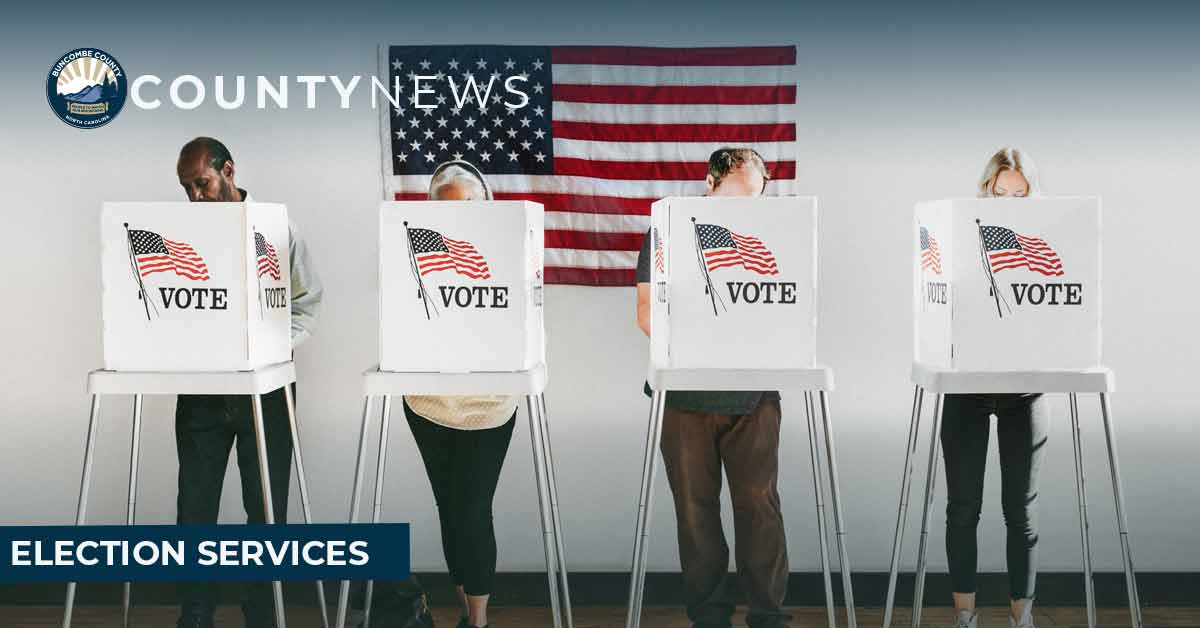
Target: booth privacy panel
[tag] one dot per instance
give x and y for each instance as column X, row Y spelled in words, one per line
column 1007, row 284
column 194, row 286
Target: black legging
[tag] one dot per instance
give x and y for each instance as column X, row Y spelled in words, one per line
column 1021, row 431
column 464, row 468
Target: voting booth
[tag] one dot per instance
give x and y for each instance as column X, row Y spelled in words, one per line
column 1007, row 283
column 460, row 313
column 460, row 286
column 195, row 286
column 734, row 307
column 196, row 301
column 1007, row 299
column 734, row 282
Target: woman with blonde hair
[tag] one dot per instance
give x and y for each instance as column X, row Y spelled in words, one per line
column 1021, row 422
column 463, row 441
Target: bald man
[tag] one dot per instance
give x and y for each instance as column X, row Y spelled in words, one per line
column 208, row 426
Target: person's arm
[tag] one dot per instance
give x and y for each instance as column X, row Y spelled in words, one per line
column 643, row 307
column 307, row 291
column 643, row 285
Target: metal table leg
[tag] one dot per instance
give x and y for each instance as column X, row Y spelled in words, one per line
column 930, row 482
column 377, row 508
column 300, row 476
column 554, row 510
column 355, row 497
column 839, row 525
column 1110, row 439
column 818, row 493
column 645, row 502
column 914, row 425
column 260, row 436
column 131, row 496
column 539, row 473
column 1084, row 528
column 81, row 507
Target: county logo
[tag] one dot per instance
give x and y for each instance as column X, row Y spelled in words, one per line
column 86, row 88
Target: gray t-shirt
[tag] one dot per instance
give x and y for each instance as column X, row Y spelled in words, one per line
column 719, row 402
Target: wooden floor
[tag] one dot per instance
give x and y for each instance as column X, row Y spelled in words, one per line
column 593, row 617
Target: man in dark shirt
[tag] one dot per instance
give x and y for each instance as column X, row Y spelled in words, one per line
column 736, row 430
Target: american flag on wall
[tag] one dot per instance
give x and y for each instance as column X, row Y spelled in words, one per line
column 267, row 257
column 606, row 132
column 931, row 254
column 156, row 254
column 1008, row 249
column 723, row 248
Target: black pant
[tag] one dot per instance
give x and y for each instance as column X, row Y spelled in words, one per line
column 206, row 428
column 1021, row 422
column 464, row 468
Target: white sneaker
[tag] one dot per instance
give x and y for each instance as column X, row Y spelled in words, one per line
column 966, row 619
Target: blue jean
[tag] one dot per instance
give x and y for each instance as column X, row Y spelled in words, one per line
column 1021, row 423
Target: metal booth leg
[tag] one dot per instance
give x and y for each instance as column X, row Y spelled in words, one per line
column 81, row 507
column 839, row 525
column 556, row 518
column 1110, row 439
column 930, row 483
column 1081, row 495
column 539, row 474
column 131, row 497
column 260, row 436
column 819, row 497
column 637, row 581
column 914, row 425
column 377, row 508
column 355, row 497
column 295, row 425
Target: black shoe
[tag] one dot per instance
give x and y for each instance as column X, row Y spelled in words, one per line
column 195, row 621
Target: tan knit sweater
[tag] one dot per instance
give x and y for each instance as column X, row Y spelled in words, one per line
column 476, row 412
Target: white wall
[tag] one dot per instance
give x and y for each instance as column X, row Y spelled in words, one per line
column 870, row 150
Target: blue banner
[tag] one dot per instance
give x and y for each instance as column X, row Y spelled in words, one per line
column 173, row 553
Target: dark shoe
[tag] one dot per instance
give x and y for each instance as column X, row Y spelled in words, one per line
column 195, row 621
column 258, row 615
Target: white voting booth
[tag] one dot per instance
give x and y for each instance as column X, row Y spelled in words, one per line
column 460, row 313
column 460, row 286
column 195, row 286
column 196, row 299
column 734, row 307
column 1007, row 284
column 1007, row 299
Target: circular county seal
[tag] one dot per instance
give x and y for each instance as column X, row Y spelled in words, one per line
column 86, row 88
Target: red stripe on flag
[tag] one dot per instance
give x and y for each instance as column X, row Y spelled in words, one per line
column 633, row 55
column 564, row 202
column 677, row 94
column 611, row 277
column 653, row 170
column 593, row 240
column 768, row 132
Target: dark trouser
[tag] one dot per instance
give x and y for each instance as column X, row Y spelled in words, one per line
column 206, row 428
column 1021, row 422
column 695, row 446
column 463, row 468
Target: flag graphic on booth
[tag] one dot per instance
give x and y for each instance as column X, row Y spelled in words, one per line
column 931, row 255
column 266, row 256
column 659, row 255
column 606, row 131
column 723, row 248
column 1008, row 249
column 1005, row 249
column 151, row 253
column 430, row 251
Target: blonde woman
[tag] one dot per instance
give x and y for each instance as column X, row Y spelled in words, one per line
column 1021, row 421
column 463, row 443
